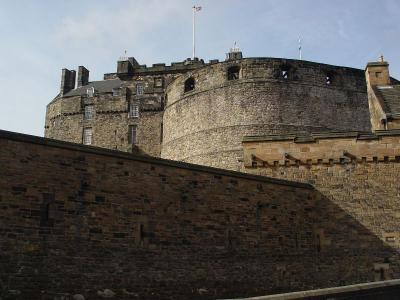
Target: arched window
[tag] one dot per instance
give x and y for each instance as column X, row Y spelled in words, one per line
column 189, row 84
column 233, row 73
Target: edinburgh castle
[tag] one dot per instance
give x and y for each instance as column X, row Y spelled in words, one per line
column 195, row 180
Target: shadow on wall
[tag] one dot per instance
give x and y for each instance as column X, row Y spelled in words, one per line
column 80, row 220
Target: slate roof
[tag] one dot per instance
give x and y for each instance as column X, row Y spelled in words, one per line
column 390, row 97
column 104, row 86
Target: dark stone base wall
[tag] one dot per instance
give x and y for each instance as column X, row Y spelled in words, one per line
column 80, row 220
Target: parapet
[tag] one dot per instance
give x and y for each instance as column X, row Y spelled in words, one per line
column 130, row 67
column 321, row 148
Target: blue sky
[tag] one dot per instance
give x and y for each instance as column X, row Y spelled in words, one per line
column 39, row 38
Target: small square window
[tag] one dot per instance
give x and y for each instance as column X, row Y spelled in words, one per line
column 285, row 74
column 378, row 74
column 139, row 89
column 87, row 136
column 158, row 82
column 116, row 92
column 89, row 112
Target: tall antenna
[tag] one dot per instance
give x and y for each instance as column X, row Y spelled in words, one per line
column 195, row 9
column 300, row 49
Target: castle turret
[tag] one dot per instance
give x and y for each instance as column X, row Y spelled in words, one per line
column 67, row 81
column 83, row 76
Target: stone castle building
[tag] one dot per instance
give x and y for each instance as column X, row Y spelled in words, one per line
column 157, row 209
column 199, row 112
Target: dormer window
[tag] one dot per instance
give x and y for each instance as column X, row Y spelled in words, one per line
column 233, row 73
column 90, row 92
column 139, row 89
column 189, row 85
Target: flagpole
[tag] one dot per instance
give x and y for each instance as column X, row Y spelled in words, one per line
column 194, row 32
column 300, row 48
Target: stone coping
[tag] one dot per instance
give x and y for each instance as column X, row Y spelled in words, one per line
column 313, row 137
column 329, row 291
column 25, row 138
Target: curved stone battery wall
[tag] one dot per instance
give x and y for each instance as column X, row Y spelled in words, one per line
column 270, row 96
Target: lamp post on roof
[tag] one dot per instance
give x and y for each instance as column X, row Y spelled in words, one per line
column 195, row 9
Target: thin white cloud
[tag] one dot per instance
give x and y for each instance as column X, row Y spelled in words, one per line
column 341, row 30
column 100, row 26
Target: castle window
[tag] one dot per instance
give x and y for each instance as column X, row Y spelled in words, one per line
column 133, row 110
column 87, row 136
column 158, row 82
column 139, row 89
column 378, row 74
column 329, row 78
column 285, row 73
column 189, row 85
column 132, row 134
column 233, row 73
column 116, row 92
column 90, row 92
column 88, row 112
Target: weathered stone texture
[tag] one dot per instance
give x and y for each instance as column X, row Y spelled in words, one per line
column 211, row 120
column 358, row 173
column 65, row 114
column 65, row 119
column 84, row 220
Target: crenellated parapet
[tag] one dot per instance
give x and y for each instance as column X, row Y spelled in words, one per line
column 321, row 149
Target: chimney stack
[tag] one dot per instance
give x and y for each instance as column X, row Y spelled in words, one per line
column 126, row 65
column 377, row 73
column 67, row 81
column 83, row 76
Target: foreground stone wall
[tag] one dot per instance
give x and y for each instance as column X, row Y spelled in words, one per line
column 206, row 125
column 99, row 223
column 358, row 172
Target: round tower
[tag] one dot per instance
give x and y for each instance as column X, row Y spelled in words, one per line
column 209, row 110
